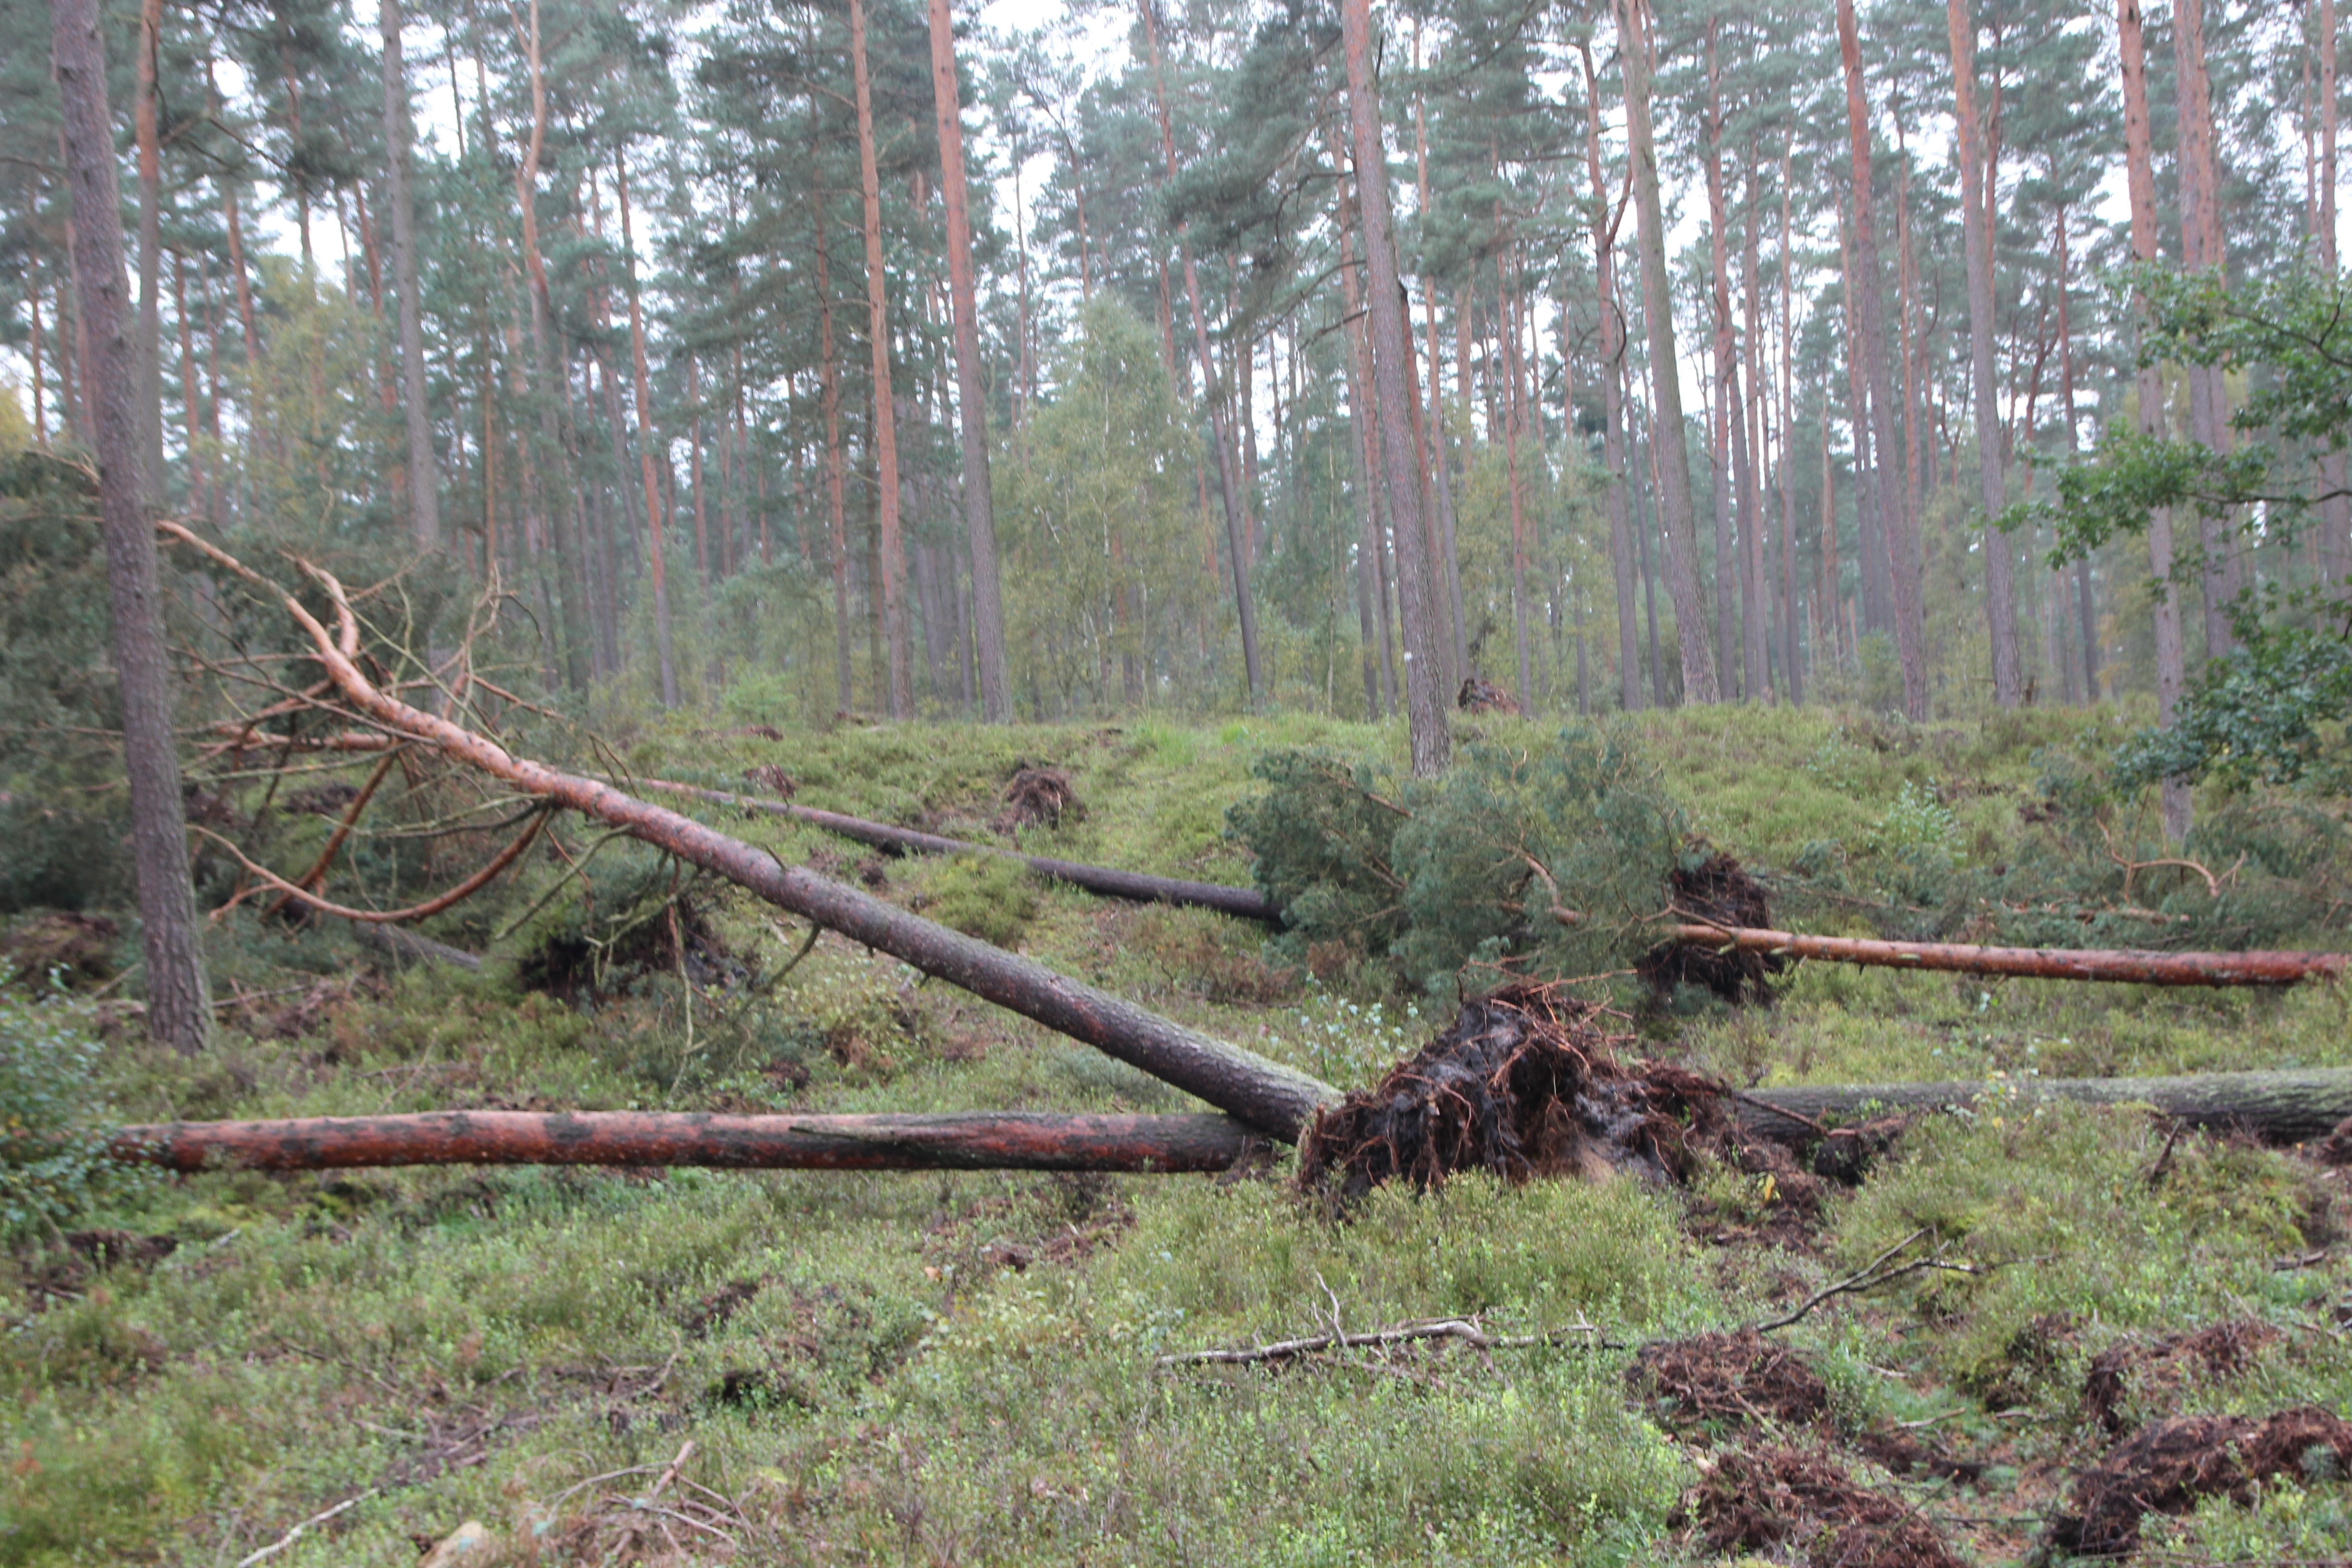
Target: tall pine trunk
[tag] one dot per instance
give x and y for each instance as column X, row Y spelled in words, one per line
column 151, row 254
column 1612, row 400
column 1670, row 448
column 2201, row 250
column 890, row 548
column 1425, row 659
column 424, row 485
column 1900, row 527
column 829, row 386
column 656, row 551
column 179, row 1008
column 971, row 401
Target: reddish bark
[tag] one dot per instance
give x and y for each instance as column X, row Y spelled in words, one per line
column 2126, row 965
column 993, row 1141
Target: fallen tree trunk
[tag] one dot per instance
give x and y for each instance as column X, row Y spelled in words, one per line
column 1275, row 1099
column 2033, row 962
column 1246, row 903
column 2287, row 1106
column 1000, row 1141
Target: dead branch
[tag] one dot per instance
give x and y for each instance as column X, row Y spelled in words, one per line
column 433, row 906
column 1246, row 903
column 1271, row 1096
column 1466, row 1330
column 988, row 1141
column 2129, row 966
column 310, row 878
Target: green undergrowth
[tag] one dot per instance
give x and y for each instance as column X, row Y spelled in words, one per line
column 962, row 1368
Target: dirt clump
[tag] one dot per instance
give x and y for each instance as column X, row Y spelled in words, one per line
column 1738, row 1378
column 74, row 947
column 2336, row 1149
column 1908, row 1457
column 2219, row 1349
column 1846, row 1156
column 1715, row 893
column 1523, row 1084
column 1039, row 797
column 581, row 962
column 1805, row 1503
column 1480, row 695
column 2167, row 1465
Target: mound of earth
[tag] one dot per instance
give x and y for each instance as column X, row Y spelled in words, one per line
column 2167, row 1465
column 1039, row 797
column 1523, row 1084
column 1733, row 1378
column 1717, row 892
column 1802, row 1505
column 2222, row 1349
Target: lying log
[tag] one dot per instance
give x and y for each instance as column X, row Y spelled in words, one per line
column 998, row 1141
column 1245, row 903
column 2123, row 965
column 400, row 942
column 2285, row 1106
column 1277, row 1101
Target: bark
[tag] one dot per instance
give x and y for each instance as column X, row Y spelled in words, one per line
column 890, row 548
column 151, row 252
column 179, row 1009
column 2140, row 182
column 2336, row 512
column 1441, row 459
column 1426, row 700
column 829, row 384
column 1789, row 666
column 2201, row 250
column 2087, row 611
column 1975, row 216
column 986, row 1140
column 1750, row 457
column 1371, row 578
column 1612, row 399
column 1513, row 419
column 424, row 474
column 1870, row 481
column 971, row 397
column 1901, row 528
column 2281, row 1106
column 655, row 553
column 2121, row 965
column 1268, row 1096
column 1670, row 448
column 1728, row 578
column 1236, row 549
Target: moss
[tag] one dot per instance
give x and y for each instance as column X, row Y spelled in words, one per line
column 986, row 896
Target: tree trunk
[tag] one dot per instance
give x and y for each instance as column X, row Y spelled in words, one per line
column 1749, row 458
column 656, row 553
column 1976, row 219
column 2289, row 1107
column 2085, row 610
column 2201, row 250
column 1441, row 458
column 179, row 1008
column 1669, row 447
column 1236, row 549
column 2336, row 513
column 986, row 1140
column 1900, row 527
column 1424, row 655
column 1371, row 578
column 1512, row 421
column 829, row 381
column 1729, row 444
column 2121, row 965
column 1612, row 399
column 971, row 398
column 151, row 252
column 424, row 474
column 891, row 562
column 1790, row 664
column 2140, row 182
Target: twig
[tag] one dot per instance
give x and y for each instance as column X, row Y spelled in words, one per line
column 1462, row 1328
column 1869, row 1278
column 433, row 906
column 295, row 1534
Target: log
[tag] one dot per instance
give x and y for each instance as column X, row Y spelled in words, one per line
column 1000, row 1141
column 2284, row 1106
column 2124, row 965
column 1277, row 1101
column 1244, row 903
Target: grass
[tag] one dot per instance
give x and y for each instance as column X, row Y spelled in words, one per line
column 934, row 1368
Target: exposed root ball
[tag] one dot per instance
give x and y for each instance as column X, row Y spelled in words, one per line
column 1522, row 1085
column 2222, row 1349
column 1735, row 1378
column 1805, row 1498
column 1480, row 695
column 1716, row 893
column 1039, row 797
column 2167, row 1465
column 588, row 962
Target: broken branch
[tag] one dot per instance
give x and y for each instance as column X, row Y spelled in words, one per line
column 2128, row 965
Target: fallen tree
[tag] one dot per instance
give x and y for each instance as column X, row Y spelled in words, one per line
column 1275, row 1100
column 1245, row 903
column 2124, row 965
column 2279, row 1107
column 993, row 1141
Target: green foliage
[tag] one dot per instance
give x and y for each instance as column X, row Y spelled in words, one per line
column 2271, row 712
column 1548, row 862
column 53, row 1137
column 986, row 896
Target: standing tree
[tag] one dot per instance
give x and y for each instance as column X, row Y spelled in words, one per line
column 423, row 481
column 179, row 1008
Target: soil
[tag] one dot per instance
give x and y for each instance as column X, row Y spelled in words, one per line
column 1905, row 1456
column 2222, row 1349
column 1806, row 1504
column 1727, row 1379
column 1480, row 695
column 2167, row 1465
column 1717, row 892
column 1523, row 1084
column 1039, row 797
column 567, row 966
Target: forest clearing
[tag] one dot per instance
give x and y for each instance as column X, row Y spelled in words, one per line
column 1241, row 784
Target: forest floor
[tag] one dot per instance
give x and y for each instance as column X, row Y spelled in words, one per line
column 689, row 1366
